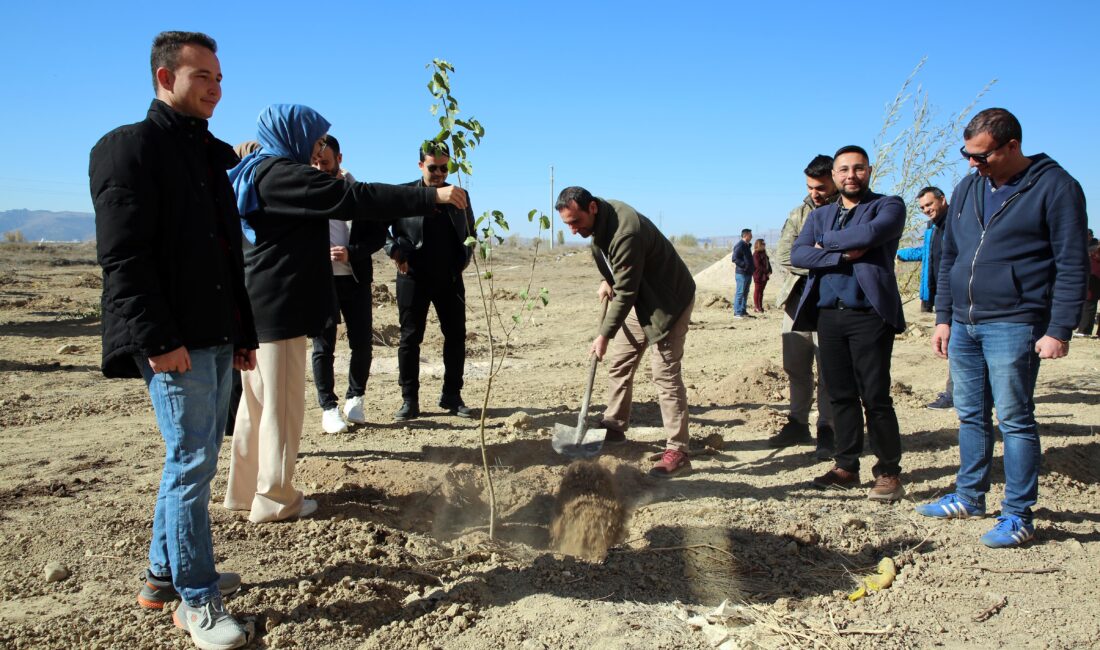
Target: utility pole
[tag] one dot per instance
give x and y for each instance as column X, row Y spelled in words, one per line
column 551, row 207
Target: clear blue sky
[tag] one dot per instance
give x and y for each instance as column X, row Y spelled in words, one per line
column 700, row 114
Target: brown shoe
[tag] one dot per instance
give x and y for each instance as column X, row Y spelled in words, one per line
column 887, row 488
column 837, row 478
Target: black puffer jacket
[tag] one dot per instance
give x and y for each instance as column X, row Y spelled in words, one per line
column 168, row 239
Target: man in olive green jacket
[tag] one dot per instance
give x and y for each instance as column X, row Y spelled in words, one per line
column 800, row 348
column 651, row 294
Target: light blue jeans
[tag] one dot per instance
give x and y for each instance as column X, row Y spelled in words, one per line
column 995, row 364
column 741, row 293
column 191, row 409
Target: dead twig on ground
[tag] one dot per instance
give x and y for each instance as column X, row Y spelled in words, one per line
column 689, row 547
column 992, row 611
column 429, row 495
column 1039, row 570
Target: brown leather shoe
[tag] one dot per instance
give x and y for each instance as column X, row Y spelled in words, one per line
column 837, row 478
column 887, row 488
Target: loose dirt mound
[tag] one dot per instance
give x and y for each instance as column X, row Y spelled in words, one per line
column 758, row 382
column 717, row 277
column 589, row 517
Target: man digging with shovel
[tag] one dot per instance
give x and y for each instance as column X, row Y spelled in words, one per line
column 650, row 293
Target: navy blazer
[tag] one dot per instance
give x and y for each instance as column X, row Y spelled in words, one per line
column 875, row 224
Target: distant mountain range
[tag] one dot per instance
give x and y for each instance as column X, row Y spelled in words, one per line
column 51, row 226
column 80, row 226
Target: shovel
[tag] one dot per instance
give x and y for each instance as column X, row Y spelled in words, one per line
column 581, row 442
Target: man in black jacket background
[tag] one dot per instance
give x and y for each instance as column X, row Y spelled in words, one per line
column 742, row 260
column 430, row 255
column 176, row 313
column 351, row 245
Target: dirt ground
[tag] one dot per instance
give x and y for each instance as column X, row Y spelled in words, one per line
column 398, row 555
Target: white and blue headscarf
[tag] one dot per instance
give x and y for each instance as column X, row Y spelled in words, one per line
column 283, row 131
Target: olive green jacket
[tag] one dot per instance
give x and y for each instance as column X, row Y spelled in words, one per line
column 794, row 278
column 645, row 271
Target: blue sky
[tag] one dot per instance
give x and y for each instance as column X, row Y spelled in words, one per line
column 701, row 115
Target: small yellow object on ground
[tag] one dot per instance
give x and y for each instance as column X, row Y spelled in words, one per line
column 887, row 571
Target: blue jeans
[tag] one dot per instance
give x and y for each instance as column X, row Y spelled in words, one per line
column 191, row 408
column 995, row 364
column 741, row 293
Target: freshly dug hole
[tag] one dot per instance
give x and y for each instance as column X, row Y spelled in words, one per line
column 589, row 517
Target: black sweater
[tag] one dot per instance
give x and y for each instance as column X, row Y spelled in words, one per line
column 288, row 271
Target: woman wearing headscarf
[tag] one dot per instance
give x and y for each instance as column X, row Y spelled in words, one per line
column 285, row 208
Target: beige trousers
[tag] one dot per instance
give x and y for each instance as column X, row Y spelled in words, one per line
column 267, row 433
column 800, row 351
column 624, row 355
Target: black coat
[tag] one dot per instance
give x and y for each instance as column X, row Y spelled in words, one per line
column 168, row 239
column 364, row 238
column 289, row 272
column 407, row 235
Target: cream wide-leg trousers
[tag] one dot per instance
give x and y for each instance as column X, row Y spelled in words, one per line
column 267, row 433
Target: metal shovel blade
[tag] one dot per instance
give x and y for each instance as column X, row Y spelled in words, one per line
column 578, row 444
column 580, row 441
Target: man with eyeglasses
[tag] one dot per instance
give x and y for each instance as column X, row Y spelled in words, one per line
column 851, row 299
column 1011, row 284
column 800, row 348
column 430, row 255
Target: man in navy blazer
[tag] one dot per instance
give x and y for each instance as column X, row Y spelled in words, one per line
column 851, row 299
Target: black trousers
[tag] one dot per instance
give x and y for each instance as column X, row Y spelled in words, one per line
column 353, row 299
column 855, row 359
column 1088, row 317
column 234, row 402
column 443, row 290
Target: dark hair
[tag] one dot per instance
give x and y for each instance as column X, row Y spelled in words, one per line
column 332, row 143
column 852, row 148
column 576, row 193
column 746, row 231
column 1001, row 125
column 166, row 49
column 936, row 192
column 820, row 166
column 434, row 149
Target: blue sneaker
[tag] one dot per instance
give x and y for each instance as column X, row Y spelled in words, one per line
column 1010, row 531
column 950, row 506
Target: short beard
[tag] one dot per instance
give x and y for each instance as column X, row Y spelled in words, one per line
column 853, row 195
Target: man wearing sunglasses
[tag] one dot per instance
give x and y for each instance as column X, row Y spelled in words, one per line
column 1011, row 284
column 430, row 255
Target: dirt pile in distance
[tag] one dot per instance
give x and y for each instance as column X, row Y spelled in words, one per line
column 760, row 381
column 589, row 516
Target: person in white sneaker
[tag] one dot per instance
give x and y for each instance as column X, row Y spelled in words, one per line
column 351, row 245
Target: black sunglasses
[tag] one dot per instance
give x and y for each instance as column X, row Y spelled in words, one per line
column 980, row 158
column 436, row 168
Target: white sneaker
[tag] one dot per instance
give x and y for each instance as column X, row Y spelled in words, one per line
column 210, row 626
column 309, row 506
column 331, row 421
column 353, row 409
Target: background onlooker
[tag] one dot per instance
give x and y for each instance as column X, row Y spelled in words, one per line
column 742, row 260
column 1088, row 310
column 761, row 272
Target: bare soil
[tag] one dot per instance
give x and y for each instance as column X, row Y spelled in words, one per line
column 398, row 555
